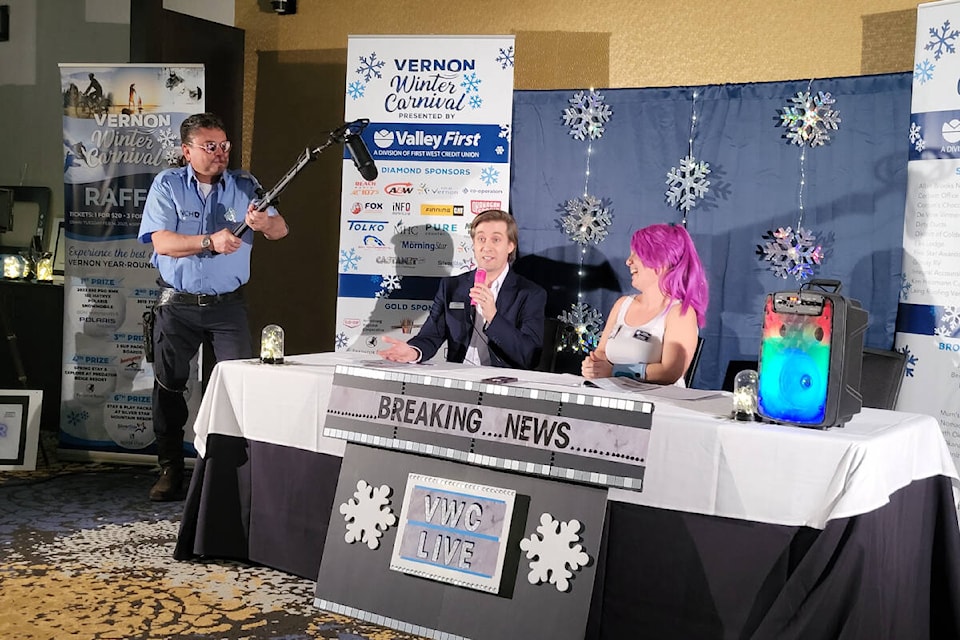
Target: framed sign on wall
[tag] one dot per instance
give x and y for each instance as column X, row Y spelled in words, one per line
column 19, row 429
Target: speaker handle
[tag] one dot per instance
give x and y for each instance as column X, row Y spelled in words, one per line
column 823, row 283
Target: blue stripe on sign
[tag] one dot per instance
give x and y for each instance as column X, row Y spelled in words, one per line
column 920, row 319
column 368, row 285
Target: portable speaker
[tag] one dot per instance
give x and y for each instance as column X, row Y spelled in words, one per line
column 810, row 357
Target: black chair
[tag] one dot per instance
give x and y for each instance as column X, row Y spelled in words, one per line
column 733, row 368
column 692, row 369
column 881, row 376
column 551, row 338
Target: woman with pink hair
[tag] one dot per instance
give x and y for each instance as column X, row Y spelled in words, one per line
column 651, row 335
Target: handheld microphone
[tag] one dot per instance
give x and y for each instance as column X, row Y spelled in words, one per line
column 361, row 156
column 480, row 277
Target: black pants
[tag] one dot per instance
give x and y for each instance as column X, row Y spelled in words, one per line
column 179, row 331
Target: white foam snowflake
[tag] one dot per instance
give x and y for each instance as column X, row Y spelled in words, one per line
column 368, row 515
column 688, row 184
column 582, row 326
column 808, row 118
column 586, row 220
column 586, row 115
column 556, row 552
column 791, row 253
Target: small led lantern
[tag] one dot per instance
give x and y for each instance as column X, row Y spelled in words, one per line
column 15, row 267
column 45, row 267
column 271, row 344
column 745, row 395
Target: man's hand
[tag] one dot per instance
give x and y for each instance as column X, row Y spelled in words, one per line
column 482, row 295
column 225, row 242
column 399, row 352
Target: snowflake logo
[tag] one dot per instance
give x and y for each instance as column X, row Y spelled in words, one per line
column 3, row 430
column 556, row 553
column 688, row 184
column 505, row 131
column 476, row 102
column 923, row 72
column 166, row 138
column 505, row 57
column 914, row 133
column 791, row 254
column 905, row 287
column 341, row 341
column 370, row 67
column 587, row 220
column 172, row 156
column 356, row 89
column 77, row 418
column 942, row 40
column 582, row 326
column 390, row 282
column 349, row 260
column 490, row 176
column 499, row 150
column 368, row 514
column 586, row 115
column 808, row 119
column 471, row 83
column 912, row 361
column 949, row 320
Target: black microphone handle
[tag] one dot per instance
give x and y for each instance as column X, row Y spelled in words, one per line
column 240, row 229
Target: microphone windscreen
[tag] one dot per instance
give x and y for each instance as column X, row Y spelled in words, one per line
column 361, row 156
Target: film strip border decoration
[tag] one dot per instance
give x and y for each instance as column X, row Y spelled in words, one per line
column 594, row 439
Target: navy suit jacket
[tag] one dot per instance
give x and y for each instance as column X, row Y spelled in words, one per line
column 514, row 337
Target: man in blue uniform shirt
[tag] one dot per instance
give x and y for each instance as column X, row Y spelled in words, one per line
column 189, row 216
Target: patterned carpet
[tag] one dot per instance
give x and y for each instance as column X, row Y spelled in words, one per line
column 84, row 554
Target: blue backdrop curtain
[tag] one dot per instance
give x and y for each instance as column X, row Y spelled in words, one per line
column 853, row 197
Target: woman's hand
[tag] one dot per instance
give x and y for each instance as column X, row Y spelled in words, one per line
column 596, row 365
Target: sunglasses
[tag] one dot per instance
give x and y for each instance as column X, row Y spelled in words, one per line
column 211, row 147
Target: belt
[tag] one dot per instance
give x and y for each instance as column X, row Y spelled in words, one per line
column 172, row 296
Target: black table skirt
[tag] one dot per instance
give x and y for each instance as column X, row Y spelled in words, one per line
column 260, row 503
column 890, row 574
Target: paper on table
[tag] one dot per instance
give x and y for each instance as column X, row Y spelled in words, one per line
column 672, row 392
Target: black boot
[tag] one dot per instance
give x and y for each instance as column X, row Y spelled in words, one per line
column 169, row 486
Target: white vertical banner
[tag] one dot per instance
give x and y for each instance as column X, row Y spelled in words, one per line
column 121, row 127
column 440, row 111
column 928, row 317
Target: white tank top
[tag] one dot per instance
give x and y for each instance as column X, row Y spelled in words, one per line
column 631, row 345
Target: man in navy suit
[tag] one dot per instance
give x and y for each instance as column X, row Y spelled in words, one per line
column 496, row 320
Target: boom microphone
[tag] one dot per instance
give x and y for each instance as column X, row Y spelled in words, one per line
column 361, row 156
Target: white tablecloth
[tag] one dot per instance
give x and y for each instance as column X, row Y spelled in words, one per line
column 699, row 461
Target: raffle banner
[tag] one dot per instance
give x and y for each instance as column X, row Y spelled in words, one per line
column 440, row 110
column 121, row 127
column 928, row 319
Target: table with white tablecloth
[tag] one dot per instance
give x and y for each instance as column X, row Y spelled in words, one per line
column 741, row 529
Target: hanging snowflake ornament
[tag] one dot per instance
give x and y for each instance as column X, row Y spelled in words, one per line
column 586, row 115
column 368, row 514
column 791, row 253
column 688, row 184
column 808, row 119
column 556, row 553
column 586, row 220
column 582, row 328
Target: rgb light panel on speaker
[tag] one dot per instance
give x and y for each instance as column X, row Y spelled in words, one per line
column 795, row 363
